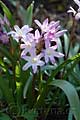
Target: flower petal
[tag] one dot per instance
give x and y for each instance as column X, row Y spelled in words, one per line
column 40, row 63
column 26, row 29
column 58, row 54
column 24, row 52
column 77, row 16
column 60, row 33
column 38, row 23
column 16, row 27
column 26, row 66
column 37, row 34
column 45, row 22
column 52, row 60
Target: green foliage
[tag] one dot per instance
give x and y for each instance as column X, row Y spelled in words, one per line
column 7, row 13
column 30, row 115
column 71, row 94
column 28, row 15
column 24, row 91
column 4, row 117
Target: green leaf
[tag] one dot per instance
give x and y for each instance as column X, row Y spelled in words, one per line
column 27, row 86
column 30, row 115
column 4, row 117
column 66, row 43
column 64, row 64
column 60, row 50
column 70, row 116
column 28, row 15
column 6, row 53
column 7, row 92
column 7, row 13
column 71, row 94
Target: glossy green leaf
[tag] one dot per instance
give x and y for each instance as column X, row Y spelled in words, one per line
column 66, row 43
column 70, row 115
column 71, row 94
column 7, row 13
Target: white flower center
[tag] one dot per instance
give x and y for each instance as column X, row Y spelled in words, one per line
column 34, row 60
column 20, row 33
column 48, row 52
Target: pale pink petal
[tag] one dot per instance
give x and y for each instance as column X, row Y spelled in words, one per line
column 38, row 23
column 77, row 16
column 55, row 24
column 37, row 34
column 33, row 52
column 26, row 29
column 46, row 59
column 77, row 2
column 58, row 54
column 60, row 33
column 11, row 33
column 45, row 22
column 40, row 63
column 54, row 47
column 16, row 27
column 27, row 58
column 47, row 43
column 40, row 55
column 26, row 66
column 24, row 52
column 22, row 46
column 52, row 60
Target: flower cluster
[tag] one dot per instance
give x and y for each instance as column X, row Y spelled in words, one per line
column 75, row 13
column 38, row 48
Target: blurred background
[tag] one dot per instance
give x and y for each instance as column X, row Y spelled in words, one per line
column 53, row 9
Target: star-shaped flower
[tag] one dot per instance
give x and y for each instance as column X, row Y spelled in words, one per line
column 50, row 54
column 34, row 61
column 20, row 33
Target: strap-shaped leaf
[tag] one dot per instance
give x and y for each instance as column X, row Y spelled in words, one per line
column 7, row 92
column 28, row 15
column 71, row 94
column 5, row 52
column 7, row 13
column 64, row 64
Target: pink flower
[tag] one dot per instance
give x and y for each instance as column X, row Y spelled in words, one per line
column 43, row 26
column 34, row 61
column 54, row 32
column 50, row 54
column 27, row 47
column 28, row 44
column 20, row 33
